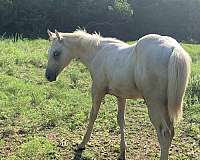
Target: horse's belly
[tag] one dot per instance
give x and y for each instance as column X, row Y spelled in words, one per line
column 125, row 92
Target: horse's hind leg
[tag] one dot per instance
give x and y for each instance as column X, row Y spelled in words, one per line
column 159, row 117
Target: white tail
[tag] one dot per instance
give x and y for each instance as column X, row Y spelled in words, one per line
column 178, row 75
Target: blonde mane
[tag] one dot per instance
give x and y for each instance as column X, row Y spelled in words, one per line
column 91, row 41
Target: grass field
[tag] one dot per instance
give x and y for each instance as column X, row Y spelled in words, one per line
column 41, row 120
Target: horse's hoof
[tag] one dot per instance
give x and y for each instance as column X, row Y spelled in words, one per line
column 80, row 147
column 121, row 158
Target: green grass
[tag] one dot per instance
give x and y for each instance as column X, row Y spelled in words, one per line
column 41, row 120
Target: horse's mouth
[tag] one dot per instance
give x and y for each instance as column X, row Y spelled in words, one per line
column 50, row 76
column 51, row 80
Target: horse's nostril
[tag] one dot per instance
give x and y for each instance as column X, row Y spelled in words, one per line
column 47, row 75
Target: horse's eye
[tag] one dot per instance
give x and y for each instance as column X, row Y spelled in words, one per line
column 56, row 54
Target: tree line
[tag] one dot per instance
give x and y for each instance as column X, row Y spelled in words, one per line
column 124, row 19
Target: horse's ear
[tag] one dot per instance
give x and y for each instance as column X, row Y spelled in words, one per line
column 49, row 33
column 58, row 35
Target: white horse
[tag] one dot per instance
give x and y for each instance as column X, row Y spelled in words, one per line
column 156, row 69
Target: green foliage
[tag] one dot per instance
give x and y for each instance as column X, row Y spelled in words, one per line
column 193, row 91
column 123, row 7
column 32, row 19
column 124, row 19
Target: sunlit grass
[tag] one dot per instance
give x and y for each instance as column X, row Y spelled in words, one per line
column 42, row 120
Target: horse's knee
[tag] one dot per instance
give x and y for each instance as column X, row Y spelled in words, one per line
column 166, row 135
column 166, row 132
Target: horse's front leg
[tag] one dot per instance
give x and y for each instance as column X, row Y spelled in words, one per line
column 97, row 96
column 121, row 122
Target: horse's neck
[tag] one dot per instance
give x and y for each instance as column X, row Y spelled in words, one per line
column 87, row 56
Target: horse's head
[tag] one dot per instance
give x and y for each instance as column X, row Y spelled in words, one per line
column 59, row 56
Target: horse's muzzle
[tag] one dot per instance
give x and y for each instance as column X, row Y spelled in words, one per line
column 50, row 75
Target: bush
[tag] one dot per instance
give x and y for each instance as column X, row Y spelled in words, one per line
column 124, row 19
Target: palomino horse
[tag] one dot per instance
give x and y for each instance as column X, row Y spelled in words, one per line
column 156, row 69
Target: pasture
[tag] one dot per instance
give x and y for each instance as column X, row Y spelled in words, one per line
column 42, row 120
